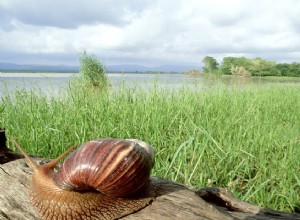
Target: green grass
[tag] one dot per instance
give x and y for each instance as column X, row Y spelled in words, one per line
column 92, row 70
column 247, row 140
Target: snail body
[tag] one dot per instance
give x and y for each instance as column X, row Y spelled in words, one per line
column 102, row 179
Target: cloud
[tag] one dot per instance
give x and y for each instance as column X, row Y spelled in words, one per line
column 150, row 32
column 71, row 14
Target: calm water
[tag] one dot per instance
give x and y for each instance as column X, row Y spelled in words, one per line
column 54, row 83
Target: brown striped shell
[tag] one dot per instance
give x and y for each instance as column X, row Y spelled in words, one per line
column 127, row 165
column 114, row 167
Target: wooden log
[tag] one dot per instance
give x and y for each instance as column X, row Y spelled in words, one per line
column 173, row 200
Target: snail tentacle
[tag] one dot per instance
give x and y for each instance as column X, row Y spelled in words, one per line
column 52, row 164
column 29, row 161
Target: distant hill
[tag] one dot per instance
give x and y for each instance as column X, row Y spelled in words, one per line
column 11, row 67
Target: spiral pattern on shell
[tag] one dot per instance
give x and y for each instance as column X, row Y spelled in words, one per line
column 114, row 167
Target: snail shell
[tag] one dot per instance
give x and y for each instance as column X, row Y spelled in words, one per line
column 114, row 167
column 118, row 169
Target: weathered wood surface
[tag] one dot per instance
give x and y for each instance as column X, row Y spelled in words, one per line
column 173, row 201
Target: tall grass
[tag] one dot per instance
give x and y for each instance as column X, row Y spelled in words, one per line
column 246, row 140
column 92, row 70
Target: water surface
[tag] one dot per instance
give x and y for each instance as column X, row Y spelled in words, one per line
column 54, row 83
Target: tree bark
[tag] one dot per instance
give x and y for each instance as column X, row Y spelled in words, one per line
column 173, row 201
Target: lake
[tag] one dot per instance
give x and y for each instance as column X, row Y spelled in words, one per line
column 53, row 83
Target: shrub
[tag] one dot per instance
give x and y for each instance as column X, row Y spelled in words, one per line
column 92, row 70
column 239, row 71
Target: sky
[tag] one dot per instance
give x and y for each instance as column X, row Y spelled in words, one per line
column 148, row 32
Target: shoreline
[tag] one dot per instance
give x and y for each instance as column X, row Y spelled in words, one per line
column 42, row 75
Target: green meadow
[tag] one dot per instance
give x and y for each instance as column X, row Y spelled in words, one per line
column 244, row 139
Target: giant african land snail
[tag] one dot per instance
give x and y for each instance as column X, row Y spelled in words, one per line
column 102, row 179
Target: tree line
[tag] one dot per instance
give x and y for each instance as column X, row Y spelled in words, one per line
column 250, row 67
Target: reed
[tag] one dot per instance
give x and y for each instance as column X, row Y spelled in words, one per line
column 246, row 140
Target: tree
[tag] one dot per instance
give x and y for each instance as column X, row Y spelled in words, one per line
column 254, row 67
column 227, row 64
column 288, row 69
column 210, row 64
column 261, row 67
column 230, row 64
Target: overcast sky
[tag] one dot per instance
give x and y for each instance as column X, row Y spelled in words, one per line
column 148, row 32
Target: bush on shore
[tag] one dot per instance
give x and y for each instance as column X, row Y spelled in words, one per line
column 92, row 70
